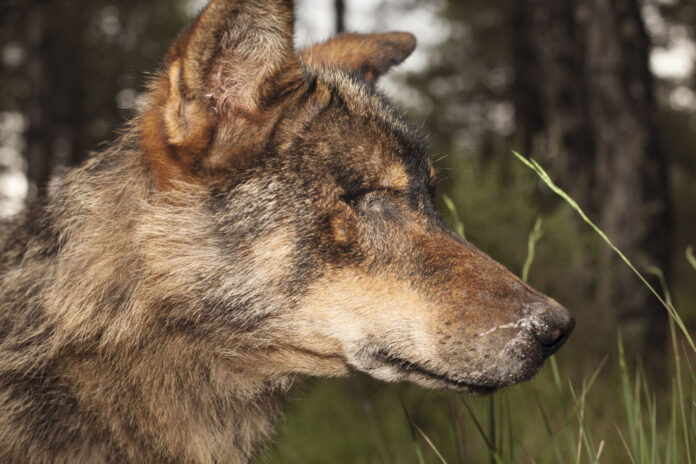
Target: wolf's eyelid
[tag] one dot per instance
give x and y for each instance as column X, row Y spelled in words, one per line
column 355, row 196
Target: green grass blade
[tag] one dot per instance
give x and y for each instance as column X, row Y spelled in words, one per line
column 583, row 432
column 677, row 359
column 456, row 428
column 628, row 401
column 672, row 453
column 587, row 386
column 653, row 429
column 637, row 407
column 419, row 453
column 626, row 447
column 690, row 256
column 511, row 442
column 486, row 439
column 492, row 426
column 534, row 237
column 429, row 442
column 452, row 208
column 549, row 429
column 556, row 372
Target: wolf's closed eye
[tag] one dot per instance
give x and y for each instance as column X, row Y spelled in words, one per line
column 361, row 196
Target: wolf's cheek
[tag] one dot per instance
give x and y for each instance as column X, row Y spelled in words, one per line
column 348, row 311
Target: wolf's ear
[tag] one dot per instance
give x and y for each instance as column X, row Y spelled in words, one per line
column 222, row 89
column 370, row 55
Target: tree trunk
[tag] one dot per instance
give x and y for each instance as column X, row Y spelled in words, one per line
column 592, row 99
column 630, row 168
column 38, row 135
column 340, row 7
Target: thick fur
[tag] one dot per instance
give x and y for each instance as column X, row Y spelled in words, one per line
column 267, row 215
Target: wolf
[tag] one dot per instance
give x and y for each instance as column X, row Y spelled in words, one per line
column 268, row 214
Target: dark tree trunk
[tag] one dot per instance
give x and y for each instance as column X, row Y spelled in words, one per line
column 38, row 135
column 340, row 7
column 583, row 83
column 630, row 168
column 57, row 132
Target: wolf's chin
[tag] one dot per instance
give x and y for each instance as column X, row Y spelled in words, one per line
column 428, row 378
column 384, row 365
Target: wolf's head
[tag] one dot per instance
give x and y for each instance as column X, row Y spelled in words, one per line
column 315, row 227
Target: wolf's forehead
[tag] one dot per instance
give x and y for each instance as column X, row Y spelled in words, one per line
column 407, row 143
column 363, row 99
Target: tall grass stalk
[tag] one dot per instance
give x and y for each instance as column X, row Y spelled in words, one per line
column 452, row 208
column 429, row 442
column 419, row 453
column 534, row 237
column 677, row 358
column 690, row 256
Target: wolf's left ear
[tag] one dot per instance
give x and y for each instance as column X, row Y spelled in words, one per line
column 369, row 55
column 222, row 89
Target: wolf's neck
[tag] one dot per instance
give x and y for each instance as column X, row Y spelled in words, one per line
column 162, row 401
column 114, row 368
column 179, row 406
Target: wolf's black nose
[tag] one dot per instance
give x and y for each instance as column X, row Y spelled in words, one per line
column 552, row 327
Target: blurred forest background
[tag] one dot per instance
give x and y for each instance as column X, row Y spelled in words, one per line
column 601, row 92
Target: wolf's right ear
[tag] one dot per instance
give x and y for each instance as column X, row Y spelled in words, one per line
column 367, row 55
column 221, row 90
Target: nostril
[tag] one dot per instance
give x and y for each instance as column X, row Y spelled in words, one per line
column 552, row 327
column 550, row 338
column 556, row 336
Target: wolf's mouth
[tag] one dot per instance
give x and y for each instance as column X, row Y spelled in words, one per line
column 404, row 365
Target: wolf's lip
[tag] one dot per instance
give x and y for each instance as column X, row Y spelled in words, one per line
column 411, row 367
